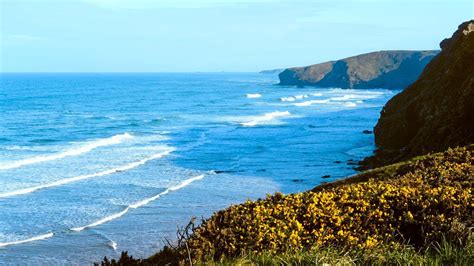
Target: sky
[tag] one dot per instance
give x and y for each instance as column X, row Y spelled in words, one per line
column 213, row 35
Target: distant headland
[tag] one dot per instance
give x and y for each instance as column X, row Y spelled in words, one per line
column 383, row 69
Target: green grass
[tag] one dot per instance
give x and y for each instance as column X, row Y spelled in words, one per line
column 443, row 253
column 447, row 254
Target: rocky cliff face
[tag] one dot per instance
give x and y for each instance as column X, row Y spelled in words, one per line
column 384, row 69
column 437, row 111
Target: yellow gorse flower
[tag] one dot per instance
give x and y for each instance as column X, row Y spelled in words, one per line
column 418, row 201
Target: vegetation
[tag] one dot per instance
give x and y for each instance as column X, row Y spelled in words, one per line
column 418, row 212
column 444, row 253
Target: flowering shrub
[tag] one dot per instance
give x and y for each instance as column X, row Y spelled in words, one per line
column 369, row 218
column 431, row 198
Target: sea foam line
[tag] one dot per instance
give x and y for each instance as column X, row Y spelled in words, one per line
column 35, row 238
column 265, row 118
column 83, row 177
column 139, row 204
column 253, row 95
column 287, row 99
column 355, row 96
column 311, row 102
column 68, row 153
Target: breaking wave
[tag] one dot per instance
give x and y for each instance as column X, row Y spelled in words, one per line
column 139, row 204
column 253, row 95
column 35, row 238
column 68, row 153
column 268, row 117
column 311, row 102
column 84, row 177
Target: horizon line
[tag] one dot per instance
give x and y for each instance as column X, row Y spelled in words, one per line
column 128, row 72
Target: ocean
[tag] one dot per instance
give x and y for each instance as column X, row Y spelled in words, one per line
column 94, row 164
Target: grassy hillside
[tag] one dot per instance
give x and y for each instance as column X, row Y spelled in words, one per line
column 420, row 211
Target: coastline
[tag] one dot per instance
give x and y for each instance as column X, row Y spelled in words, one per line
column 400, row 211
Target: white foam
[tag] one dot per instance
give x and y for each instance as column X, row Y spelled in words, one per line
column 287, row 99
column 139, row 204
column 16, row 148
column 265, row 118
column 68, row 153
column 355, row 96
column 253, row 95
column 84, row 177
column 350, row 104
column 299, row 97
column 35, row 238
column 112, row 244
column 311, row 102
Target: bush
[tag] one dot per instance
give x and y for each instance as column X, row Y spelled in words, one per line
column 430, row 200
column 382, row 216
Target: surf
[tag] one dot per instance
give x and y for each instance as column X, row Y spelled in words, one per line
column 84, row 177
column 35, row 238
column 253, row 95
column 355, row 96
column 139, row 204
column 311, row 102
column 265, row 118
column 117, row 139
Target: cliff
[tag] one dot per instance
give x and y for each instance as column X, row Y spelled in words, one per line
column 384, row 69
column 437, row 111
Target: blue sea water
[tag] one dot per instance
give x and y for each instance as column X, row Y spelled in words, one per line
column 93, row 164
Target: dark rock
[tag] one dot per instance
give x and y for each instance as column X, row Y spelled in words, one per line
column 384, row 69
column 434, row 113
column 337, row 162
column 297, row 180
column 367, row 132
column 325, row 176
column 352, row 162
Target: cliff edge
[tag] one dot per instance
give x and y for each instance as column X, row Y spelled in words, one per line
column 437, row 111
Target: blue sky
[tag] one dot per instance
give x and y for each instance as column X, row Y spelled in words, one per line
column 213, row 35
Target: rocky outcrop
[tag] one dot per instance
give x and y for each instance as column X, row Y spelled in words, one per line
column 384, row 69
column 437, row 111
